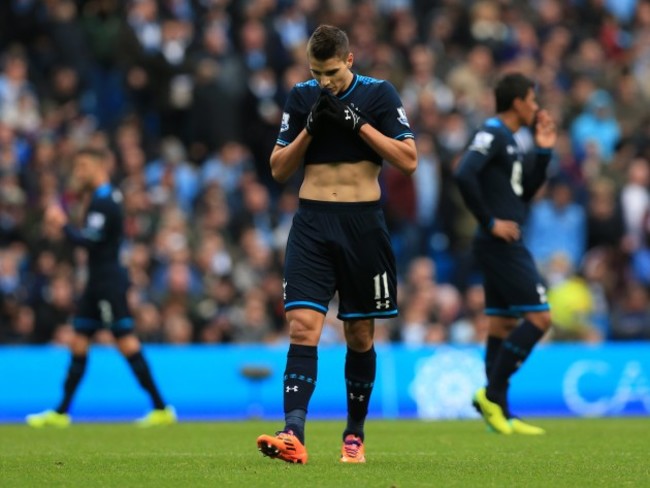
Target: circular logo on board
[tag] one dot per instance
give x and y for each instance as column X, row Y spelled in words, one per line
column 445, row 383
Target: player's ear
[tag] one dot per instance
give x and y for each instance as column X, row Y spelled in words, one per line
column 350, row 60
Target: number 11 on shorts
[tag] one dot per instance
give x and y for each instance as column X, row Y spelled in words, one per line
column 381, row 280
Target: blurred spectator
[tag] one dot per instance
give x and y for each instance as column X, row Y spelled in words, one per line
column 557, row 225
column 635, row 201
column 53, row 308
column 187, row 96
column 631, row 316
column 571, row 301
column 472, row 326
column 596, row 126
column 605, row 225
column 229, row 168
column 171, row 179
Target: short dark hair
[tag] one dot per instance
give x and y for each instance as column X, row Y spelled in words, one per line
column 328, row 42
column 92, row 152
column 509, row 88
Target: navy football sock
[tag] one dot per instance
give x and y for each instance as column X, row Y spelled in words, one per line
column 492, row 349
column 299, row 384
column 360, row 370
column 514, row 351
column 76, row 371
column 141, row 370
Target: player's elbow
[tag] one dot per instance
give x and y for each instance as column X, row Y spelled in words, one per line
column 462, row 177
column 409, row 162
column 410, row 166
column 276, row 170
column 279, row 176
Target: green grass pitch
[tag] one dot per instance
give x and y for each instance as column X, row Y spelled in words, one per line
column 402, row 454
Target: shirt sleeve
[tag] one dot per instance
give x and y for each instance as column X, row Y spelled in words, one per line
column 536, row 175
column 294, row 118
column 392, row 120
column 94, row 230
column 480, row 152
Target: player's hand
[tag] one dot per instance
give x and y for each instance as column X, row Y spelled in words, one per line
column 56, row 216
column 316, row 118
column 343, row 115
column 506, row 229
column 545, row 130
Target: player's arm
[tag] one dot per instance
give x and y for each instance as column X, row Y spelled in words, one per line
column 468, row 172
column 285, row 160
column 296, row 133
column 535, row 176
column 392, row 138
column 85, row 237
column 545, row 133
column 91, row 234
column 399, row 153
column 467, row 177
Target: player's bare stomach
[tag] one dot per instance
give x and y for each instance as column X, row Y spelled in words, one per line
column 341, row 182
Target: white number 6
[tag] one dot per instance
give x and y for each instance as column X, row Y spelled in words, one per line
column 516, row 177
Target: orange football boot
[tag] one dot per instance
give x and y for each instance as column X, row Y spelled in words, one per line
column 352, row 450
column 284, row 445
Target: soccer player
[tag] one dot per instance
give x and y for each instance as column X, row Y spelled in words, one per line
column 341, row 125
column 496, row 188
column 103, row 303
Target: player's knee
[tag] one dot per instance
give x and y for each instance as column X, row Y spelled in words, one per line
column 128, row 344
column 501, row 326
column 541, row 320
column 359, row 334
column 80, row 344
column 304, row 328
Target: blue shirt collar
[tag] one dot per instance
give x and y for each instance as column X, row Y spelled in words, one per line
column 103, row 190
column 348, row 90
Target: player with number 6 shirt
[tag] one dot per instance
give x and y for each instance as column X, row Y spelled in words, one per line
column 496, row 187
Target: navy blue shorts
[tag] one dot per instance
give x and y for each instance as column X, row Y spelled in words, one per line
column 512, row 284
column 103, row 304
column 342, row 247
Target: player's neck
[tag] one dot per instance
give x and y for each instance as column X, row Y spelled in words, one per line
column 510, row 120
column 99, row 182
column 347, row 83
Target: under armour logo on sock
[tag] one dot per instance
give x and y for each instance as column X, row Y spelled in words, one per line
column 360, row 397
column 292, row 388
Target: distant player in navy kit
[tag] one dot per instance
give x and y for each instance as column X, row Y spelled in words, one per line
column 103, row 303
column 341, row 125
column 496, row 187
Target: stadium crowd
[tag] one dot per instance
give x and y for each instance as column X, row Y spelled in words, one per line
column 188, row 97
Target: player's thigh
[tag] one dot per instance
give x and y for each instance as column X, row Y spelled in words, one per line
column 501, row 325
column 309, row 272
column 496, row 305
column 87, row 319
column 513, row 276
column 305, row 326
column 122, row 324
column 113, row 308
column 366, row 273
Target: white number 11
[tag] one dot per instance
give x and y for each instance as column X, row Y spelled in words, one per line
column 379, row 280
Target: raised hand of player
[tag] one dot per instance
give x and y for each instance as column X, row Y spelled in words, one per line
column 545, row 130
column 342, row 114
column 506, row 229
column 316, row 117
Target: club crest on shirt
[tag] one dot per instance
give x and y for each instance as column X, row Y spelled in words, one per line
column 96, row 220
column 285, row 122
column 401, row 117
column 481, row 142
